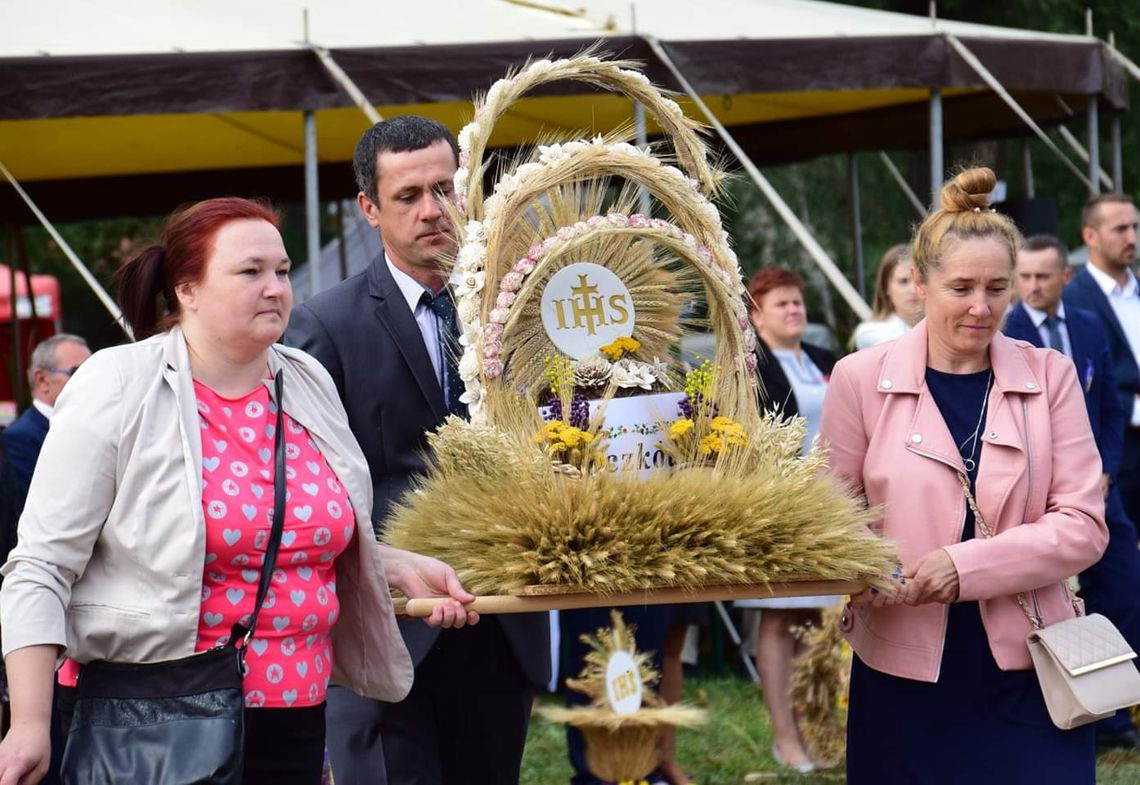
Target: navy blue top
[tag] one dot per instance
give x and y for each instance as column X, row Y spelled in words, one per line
column 977, row 723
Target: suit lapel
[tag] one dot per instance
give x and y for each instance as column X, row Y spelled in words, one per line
column 1095, row 295
column 1019, row 325
column 395, row 316
column 1076, row 338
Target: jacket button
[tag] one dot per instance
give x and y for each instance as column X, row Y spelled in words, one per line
column 916, row 438
column 1030, row 385
column 886, row 385
column 993, row 434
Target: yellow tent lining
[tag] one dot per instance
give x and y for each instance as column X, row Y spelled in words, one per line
column 75, row 147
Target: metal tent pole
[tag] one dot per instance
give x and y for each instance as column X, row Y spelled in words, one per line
column 1027, row 170
column 14, row 321
column 903, row 185
column 987, row 77
column 737, row 641
column 644, row 205
column 1117, row 156
column 1094, row 146
column 826, row 264
column 343, row 79
column 72, row 257
column 856, row 223
column 937, row 168
column 312, row 204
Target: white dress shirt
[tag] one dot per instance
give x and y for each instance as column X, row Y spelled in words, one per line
column 43, row 408
column 425, row 317
column 873, row 333
column 1125, row 302
column 1039, row 317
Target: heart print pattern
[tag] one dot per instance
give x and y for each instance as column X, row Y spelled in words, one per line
column 289, row 660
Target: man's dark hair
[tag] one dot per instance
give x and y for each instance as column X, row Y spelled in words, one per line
column 1041, row 242
column 1090, row 215
column 401, row 134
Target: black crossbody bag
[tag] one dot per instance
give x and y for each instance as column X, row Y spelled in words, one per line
column 178, row 722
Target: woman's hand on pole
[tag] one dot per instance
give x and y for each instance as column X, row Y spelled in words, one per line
column 422, row 576
column 933, row 578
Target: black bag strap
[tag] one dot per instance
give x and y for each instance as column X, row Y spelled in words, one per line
column 240, row 634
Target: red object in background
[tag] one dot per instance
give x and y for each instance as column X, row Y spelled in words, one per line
column 48, row 321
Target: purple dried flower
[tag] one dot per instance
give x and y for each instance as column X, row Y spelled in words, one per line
column 580, row 412
column 685, row 408
column 554, row 409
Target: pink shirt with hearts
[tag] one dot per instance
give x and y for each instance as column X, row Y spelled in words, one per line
column 289, row 659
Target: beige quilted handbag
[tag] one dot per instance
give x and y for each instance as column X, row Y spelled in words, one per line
column 1084, row 664
column 1085, row 668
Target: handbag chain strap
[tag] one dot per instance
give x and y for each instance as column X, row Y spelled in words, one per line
column 241, row 632
column 1034, row 618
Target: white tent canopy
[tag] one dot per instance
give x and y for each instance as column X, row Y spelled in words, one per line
column 80, row 27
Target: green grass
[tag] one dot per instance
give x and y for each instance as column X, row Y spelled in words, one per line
column 735, row 743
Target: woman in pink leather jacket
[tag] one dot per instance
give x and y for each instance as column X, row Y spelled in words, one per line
column 942, row 687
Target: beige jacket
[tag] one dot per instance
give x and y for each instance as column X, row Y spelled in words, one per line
column 112, row 540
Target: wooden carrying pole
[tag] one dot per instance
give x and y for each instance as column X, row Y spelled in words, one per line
column 548, row 598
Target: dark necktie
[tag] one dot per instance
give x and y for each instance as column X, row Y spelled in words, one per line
column 1053, row 327
column 443, row 306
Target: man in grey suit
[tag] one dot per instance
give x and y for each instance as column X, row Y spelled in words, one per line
column 388, row 336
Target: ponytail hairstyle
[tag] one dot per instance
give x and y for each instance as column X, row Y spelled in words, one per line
column 965, row 213
column 148, row 280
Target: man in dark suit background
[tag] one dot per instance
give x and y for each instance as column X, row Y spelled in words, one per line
column 52, row 365
column 387, row 336
column 1108, row 287
column 1112, row 585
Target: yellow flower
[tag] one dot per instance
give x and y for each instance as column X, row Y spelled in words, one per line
column 549, row 432
column 710, row 444
column 721, row 424
column 612, row 350
column 679, row 428
column 571, row 437
column 587, row 437
column 619, row 347
column 736, row 435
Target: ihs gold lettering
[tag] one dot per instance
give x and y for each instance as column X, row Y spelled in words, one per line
column 624, row 685
column 588, row 308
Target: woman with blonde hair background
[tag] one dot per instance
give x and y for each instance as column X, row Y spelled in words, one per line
column 977, row 451
column 896, row 306
column 173, row 468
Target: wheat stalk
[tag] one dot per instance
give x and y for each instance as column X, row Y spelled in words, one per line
column 589, row 68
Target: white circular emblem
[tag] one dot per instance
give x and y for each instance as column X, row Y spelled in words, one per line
column 585, row 307
column 623, row 683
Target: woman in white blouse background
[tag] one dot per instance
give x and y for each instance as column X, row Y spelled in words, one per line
column 896, row 307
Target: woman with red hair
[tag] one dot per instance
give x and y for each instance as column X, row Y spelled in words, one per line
column 146, row 537
column 794, row 378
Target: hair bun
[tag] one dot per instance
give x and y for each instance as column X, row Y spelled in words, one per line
column 969, row 190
